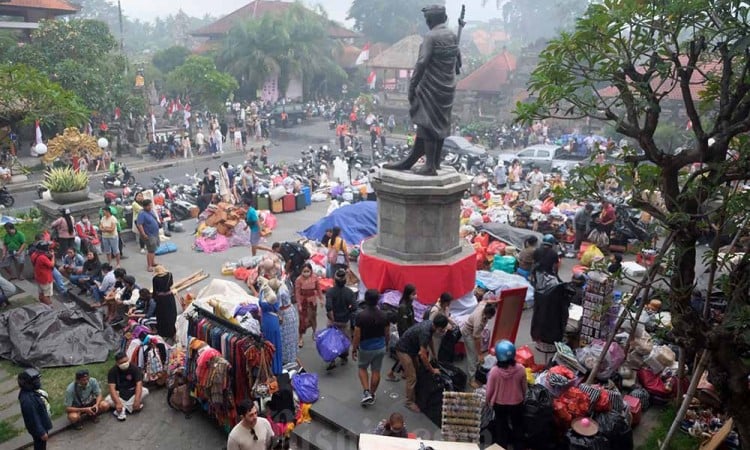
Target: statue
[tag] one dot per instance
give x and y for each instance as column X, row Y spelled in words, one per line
column 431, row 91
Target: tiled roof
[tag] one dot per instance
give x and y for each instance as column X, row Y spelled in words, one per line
column 671, row 86
column 401, row 55
column 60, row 6
column 257, row 9
column 492, row 76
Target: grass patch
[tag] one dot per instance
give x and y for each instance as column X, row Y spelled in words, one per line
column 681, row 441
column 7, row 430
column 56, row 379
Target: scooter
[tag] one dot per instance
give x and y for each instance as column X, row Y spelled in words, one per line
column 122, row 177
column 6, row 199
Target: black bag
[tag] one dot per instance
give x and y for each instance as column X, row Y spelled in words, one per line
column 578, row 442
column 429, row 395
column 454, row 378
column 481, row 374
column 281, row 405
column 539, row 421
column 446, row 352
column 615, row 428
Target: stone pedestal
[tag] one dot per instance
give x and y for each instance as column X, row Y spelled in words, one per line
column 418, row 236
column 51, row 210
column 418, row 217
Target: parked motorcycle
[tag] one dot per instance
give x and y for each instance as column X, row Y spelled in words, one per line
column 6, row 199
column 121, row 177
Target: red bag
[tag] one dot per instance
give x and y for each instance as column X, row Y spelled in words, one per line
column 547, row 206
column 496, row 248
column 635, row 408
column 482, row 239
column 602, row 404
column 325, row 284
column 241, row 273
column 525, row 356
column 661, row 390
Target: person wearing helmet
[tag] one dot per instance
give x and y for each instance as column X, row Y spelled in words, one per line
column 506, row 391
column 546, row 259
column 34, row 404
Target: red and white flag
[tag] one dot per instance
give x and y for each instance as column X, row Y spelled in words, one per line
column 371, row 79
column 163, row 102
column 170, row 107
column 89, row 129
column 179, row 104
column 38, row 133
column 118, row 113
column 689, row 125
column 364, row 55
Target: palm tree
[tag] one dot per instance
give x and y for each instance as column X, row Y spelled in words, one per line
column 292, row 45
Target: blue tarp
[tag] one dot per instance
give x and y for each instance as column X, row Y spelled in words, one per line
column 357, row 221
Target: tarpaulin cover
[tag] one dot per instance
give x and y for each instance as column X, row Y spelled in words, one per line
column 358, row 221
column 431, row 280
column 508, row 234
column 38, row 336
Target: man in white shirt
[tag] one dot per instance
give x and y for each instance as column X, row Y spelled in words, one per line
column 536, row 180
column 252, row 432
column 217, row 139
column 107, row 284
column 200, row 139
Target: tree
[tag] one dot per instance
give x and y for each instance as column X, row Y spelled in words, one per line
column 387, row 20
column 200, row 82
column 290, row 45
column 79, row 54
column 531, row 20
column 620, row 65
column 27, row 95
column 168, row 59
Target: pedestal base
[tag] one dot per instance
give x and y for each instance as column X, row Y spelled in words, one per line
column 455, row 274
column 51, row 209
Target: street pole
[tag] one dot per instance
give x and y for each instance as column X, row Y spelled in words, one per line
column 122, row 36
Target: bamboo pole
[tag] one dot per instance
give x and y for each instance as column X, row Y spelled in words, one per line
column 648, row 278
column 697, row 374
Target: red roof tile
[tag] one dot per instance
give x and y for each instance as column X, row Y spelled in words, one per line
column 671, row 87
column 60, row 6
column 493, row 76
column 257, row 9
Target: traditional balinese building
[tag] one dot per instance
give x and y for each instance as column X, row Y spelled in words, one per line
column 30, row 12
column 487, row 89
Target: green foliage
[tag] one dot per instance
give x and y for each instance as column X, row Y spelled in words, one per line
column 290, row 45
column 27, row 94
column 388, row 20
column 78, row 54
column 65, row 179
column 681, row 441
column 7, row 431
column 29, row 228
column 199, row 79
column 170, row 58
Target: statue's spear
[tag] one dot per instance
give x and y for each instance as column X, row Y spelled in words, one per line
column 461, row 24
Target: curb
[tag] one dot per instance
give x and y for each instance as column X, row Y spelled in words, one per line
column 24, row 440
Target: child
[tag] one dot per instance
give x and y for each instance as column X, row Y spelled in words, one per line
column 616, row 263
column 393, row 427
column 506, row 390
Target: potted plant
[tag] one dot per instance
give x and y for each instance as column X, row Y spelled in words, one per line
column 66, row 186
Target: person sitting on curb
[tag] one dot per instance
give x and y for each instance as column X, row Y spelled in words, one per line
column 126, row 391
column 102, row 288
column 83, row 399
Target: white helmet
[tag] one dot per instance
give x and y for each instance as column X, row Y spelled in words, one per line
column 349, row 148
column 358, row 166
column 325, row 148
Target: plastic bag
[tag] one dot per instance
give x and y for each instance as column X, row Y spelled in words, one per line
column 615, row 428
column 483, row 239
column 590, row 255
column 306, row 387
column 538, row 420
column 505, row 263
column 525, row 356
column 578, row 442
column 331, row 342
column 599, row 238
column 589, row 354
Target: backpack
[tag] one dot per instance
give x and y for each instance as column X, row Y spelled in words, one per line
column 179, row 398
column 297, row 253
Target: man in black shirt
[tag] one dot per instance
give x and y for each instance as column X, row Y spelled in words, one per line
column 417, row 342
column 208, row 185
column 546, row 259
column 126, row 391
column 371, row 329
column 340, row 304
column 295, row 255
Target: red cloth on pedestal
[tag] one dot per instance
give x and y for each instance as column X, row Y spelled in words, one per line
column 431, row 280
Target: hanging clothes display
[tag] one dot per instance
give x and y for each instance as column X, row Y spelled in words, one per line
column 218, row 368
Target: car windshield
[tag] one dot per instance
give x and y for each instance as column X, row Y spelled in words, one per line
column 461, row 142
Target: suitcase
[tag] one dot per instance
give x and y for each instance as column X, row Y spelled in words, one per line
column 263, row 202
column 277, row 206
column 289, row 203
column 636, row 409
column 300, row 200
column 307, row 191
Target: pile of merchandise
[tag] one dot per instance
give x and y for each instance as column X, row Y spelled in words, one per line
column 222, row 226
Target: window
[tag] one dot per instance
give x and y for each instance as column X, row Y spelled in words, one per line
column 542, row 153
column 527, row 153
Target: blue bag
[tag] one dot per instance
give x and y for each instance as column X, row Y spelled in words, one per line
column 331, row 342
column 306, row 387
column 166, row 247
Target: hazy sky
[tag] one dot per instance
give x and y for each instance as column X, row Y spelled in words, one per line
column 149, row 9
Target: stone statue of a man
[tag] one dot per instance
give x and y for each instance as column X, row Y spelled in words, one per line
column 431, row 91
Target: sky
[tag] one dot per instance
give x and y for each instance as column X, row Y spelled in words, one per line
column 150, row 9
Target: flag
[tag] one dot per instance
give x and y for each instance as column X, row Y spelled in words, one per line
column 38, row 132
column 163, row 102
column 89, row 129
column 364, row 55
column 187, row 106
column 153, row 127
column 179, row 104
column 170, row 107
column 689, row 125
column 118, row 112
column 371, row 79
